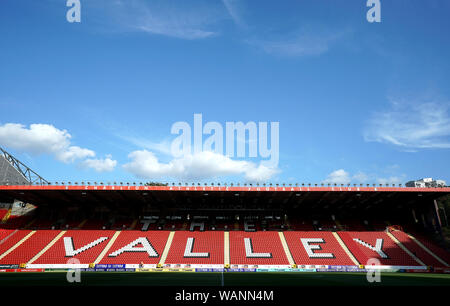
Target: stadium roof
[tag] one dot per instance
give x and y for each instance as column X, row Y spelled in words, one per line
column 337, row 197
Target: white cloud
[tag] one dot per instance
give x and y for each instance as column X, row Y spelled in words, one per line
column 100, row 165
column 390, row 180
column 178, row 31
column 305, row 42
column 360, row 177
column 73, row 152
column 178, row 20
column 338, row 177
column 42, row 139
column 233, row 8
column 145, row 165
column 259, row 173
column 163, row 147
column 411, row 125
column 343, row 177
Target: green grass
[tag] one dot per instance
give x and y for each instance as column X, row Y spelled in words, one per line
column 229, row 279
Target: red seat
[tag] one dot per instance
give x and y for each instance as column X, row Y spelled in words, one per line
column 440, row 252
column 329, row 246
column 5, row 233
column 209, row 242
column 262, row 242
column 207, row 248
column 156, row 239
column 30, row 247
column 417, row 250
column 10, row 240
column 80, row 238
column 364, row 248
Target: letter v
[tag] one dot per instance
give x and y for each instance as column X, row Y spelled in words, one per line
column 70, row 249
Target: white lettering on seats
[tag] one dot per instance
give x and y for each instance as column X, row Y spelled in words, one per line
column 309, row 248
column 377, row 248
column 249, row 250
column 131, row 247
column 188, row 251
column 70, row 249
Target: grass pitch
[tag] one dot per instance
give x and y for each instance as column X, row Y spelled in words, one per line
column 223, row 279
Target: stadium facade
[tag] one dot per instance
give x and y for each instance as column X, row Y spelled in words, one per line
column 272, row 228
column 151, row 227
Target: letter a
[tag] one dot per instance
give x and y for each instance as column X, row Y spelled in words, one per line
column 374, row 14
column 131, row 247
column 74, row 14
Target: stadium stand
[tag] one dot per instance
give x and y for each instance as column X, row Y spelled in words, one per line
column 49, row 247
column 316, row 248
column 417, row 250
column 441, row 253
column 187, row 228
column 353, row 225
column 256, row 248
column 29, row 247
column 367, row 245
column 197, row 248
column 83, row 245
column 93, row 224
column 136, row 247
column 326, row 225
column 298, row 224
column 377, row 225
column 16, row 222
column 122, row 224
column 4, row 233
column 41, row 224
column 11, row 241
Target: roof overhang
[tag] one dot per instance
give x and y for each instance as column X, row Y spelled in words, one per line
column 214, row 196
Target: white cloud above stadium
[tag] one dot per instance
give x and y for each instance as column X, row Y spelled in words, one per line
column 39, row 139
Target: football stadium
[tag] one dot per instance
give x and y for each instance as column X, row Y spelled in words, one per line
column 118, row 233
column 221, row 151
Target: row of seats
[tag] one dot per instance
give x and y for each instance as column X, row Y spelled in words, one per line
column 245, row 248
column 26, row 251
column 376, row 245
column 57, row 253
column 202, row 248
column 325, row 248
column 156, row 243
column 411, row 245
column 4, row 233
column 12, row 239
column 443, row 254
column 261, row 248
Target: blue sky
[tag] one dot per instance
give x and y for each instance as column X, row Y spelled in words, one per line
column 356, row 102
